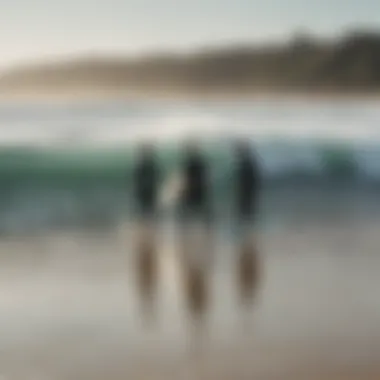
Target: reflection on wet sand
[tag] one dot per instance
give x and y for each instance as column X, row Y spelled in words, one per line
column 248, row 270
column 196, row 290
column 195, row 259
column 147, row 268
column 73, row 316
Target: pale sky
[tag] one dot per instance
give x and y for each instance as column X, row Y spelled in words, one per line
column 35, row 29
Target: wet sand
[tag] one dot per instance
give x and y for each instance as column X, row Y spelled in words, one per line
column 69, row 309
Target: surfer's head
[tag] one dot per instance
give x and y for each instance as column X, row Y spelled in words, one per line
column 146, row 150
column 243, row 148
column 191, row 147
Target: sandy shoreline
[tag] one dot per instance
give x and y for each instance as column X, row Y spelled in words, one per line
column 68, row 311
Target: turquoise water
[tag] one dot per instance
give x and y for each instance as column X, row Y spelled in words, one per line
column 70, row 165
column 68, row 301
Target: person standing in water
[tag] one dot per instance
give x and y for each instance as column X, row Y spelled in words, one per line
column 195, row 200
column 196, row 250
column 246, row 199
column 145, row 182
column 247, row 183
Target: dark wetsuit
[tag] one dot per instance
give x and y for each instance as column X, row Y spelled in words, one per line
column 195, row 198
column 247, row 182
column 145, row 184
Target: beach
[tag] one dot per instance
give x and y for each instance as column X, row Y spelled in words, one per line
column 72, row 304
column 69, row 309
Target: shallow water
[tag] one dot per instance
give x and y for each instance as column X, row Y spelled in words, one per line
column 67, row 165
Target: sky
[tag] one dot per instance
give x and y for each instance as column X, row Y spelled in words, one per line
column 34, row 30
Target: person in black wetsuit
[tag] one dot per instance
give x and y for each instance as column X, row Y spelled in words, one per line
column 145, row 181
column 247, row 183
column 195, row 200
column 197, row 250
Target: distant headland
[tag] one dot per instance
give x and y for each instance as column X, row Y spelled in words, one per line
column 349, row 65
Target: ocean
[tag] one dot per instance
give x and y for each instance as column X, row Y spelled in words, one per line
column 70, row 305
column 65, row 165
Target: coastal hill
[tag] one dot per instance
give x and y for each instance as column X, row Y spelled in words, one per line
column 350, row 63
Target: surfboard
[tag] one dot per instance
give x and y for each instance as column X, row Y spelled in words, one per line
column 171, row 191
